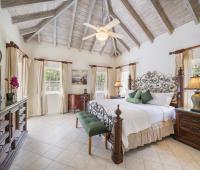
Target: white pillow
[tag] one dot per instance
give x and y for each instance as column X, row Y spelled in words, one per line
column 161, row 99
column 128, row 92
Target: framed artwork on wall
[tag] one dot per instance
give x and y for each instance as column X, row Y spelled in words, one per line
column 79, row 77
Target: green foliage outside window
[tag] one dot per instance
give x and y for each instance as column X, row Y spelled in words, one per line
column 100, row 81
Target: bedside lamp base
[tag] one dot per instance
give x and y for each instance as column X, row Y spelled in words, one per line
column 196, row 101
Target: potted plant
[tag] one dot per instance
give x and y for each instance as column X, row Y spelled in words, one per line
column 11, row 96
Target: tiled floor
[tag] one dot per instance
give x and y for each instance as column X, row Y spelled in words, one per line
column 53, row 143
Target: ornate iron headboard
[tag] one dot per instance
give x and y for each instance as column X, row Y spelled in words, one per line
column 156, row 82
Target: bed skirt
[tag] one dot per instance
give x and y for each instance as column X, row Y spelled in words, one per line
column 155, row 133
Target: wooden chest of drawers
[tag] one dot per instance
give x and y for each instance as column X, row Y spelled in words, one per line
column 188, row 127
column 76, row 101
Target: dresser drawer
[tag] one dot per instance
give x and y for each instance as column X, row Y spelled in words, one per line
column 191, row 119
column 190, row 138
column 191, row 128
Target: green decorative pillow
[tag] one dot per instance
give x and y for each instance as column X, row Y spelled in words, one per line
column 146, row 97
column 138, row 94
column 132, row 95
column 133, row 100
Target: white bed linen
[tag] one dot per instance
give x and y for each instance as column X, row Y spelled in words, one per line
column 137, row 117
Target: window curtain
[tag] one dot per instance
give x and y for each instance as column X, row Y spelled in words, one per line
column 25, row 75
column 110, row 82
column 132, row 72
column 11, row 65
column 184, row 60
column 118, row 74
column 65, row 87
column 38, row 98
column 187, row 64
column 93, row 81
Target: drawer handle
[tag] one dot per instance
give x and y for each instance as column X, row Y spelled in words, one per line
column 195, row 121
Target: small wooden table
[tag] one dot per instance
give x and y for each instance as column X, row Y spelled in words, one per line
column 188, row 127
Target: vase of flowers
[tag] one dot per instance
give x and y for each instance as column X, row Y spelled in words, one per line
column 11, row 96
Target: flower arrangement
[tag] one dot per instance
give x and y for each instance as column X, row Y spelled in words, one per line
column 14, row 82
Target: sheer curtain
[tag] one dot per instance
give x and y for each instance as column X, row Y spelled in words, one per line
column 11, row 64
column 184, row 60
column 132, row 72
column 65, row 87
column 93, row 81
column 110, row 82
column 188, row 56
column 38, row 98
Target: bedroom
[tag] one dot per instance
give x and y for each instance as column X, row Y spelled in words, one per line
column 54, row 77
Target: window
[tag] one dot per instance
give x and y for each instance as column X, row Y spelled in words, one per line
column 124, row 82
column 101, row 81
column 52, row 80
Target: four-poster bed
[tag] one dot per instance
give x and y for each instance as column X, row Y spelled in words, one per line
column 116, row 123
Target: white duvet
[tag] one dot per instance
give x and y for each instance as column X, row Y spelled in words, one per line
column 137, row 117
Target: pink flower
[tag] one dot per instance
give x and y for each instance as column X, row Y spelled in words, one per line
column 14, row 82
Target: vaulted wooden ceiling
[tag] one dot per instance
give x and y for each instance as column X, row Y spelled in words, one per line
column 61, row 21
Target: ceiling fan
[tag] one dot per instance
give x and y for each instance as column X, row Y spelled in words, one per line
column 103, row 32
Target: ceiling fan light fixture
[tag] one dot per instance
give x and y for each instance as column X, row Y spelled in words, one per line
column 101, row 36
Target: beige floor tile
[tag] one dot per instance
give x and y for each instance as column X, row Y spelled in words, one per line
column 54, row 143
column 57, row 166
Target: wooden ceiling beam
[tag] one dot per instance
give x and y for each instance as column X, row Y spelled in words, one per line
column 29, row 17
column 137, row 18
column 124, row 44
column 72, row 24
column 13, row 3
column 91, row 10
column 162, row 16
column 192, row 11
column 65, row 5
column 55, row 33
column 113, row 15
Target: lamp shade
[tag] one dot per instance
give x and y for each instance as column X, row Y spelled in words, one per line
column 194, row 83
column 118, row 84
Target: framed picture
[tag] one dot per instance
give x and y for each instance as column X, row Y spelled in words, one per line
column 79, row 77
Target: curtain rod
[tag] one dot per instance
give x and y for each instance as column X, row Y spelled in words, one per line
column 125, row 65
column 12, row 44
column 41, row 59
column 100, row 66
column 183, row 50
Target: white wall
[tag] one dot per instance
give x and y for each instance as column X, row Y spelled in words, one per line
column 8, row 32
column 80, row 60
column 155, row 56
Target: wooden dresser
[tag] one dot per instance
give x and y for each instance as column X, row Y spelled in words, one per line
column 13, row 129
column 76, row 101
column 188, row 127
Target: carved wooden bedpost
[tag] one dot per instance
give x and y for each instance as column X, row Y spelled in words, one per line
column 117, row 154
column 180, row 96
column 129, row 82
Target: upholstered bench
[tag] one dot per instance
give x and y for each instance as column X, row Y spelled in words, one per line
column 92, row 125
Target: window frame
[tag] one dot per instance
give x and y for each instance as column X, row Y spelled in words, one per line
column 60, row 84
column 105, row 85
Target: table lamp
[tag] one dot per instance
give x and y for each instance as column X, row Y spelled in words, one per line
column 118, row 85
column 194, row 84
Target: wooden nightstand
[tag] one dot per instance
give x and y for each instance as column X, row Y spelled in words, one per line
column 188, row 127
column 117, row 97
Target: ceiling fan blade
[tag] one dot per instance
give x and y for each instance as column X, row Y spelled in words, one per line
column 113, row 23
column 89, row 36
column 115, row 35
column 91, row 26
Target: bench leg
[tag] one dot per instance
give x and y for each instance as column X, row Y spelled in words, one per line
column 90, row 145
column 76, row 122
column 106, row 140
